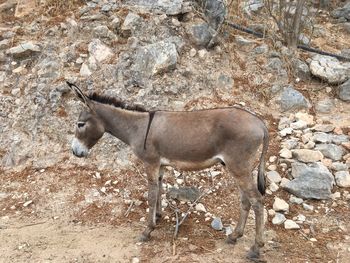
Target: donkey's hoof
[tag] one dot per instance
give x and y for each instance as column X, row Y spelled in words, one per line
column 255, row 256
column 158, row 217
column 144, row 238
column 231, row 240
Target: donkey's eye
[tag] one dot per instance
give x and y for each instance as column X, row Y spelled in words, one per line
column 81, row 124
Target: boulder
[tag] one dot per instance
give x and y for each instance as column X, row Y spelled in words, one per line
column 313, row 181
column 330, row 69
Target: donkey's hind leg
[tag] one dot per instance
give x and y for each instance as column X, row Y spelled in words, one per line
column 243, row 215
column 152, row 177
column 249, row 191
column 159, row 199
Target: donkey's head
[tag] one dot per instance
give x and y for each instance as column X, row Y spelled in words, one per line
column 89, row 128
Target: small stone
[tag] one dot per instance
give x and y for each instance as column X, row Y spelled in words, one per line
column 179, row 181
column 193, row 52
column 143, row 219
column 338, row 166
column 284, row 182
column 202, row 53
column 273, row 187
column 217, row 224
column 309, row 119
column 300, row 218
column 299, row 125
column 342, row 178
column 228, row 230
column 85, row 71
column 295, row 200
column 323, row 127
column 285, row 153
column 335, row 195
column 308, row 207
column 313, row 239
column 274, row 177
column 280, row 205
column 200, row 208
column 271, row 212
column 272, row 167
column 175, row 22
column 135, row 260
column 272, row 159
column 286, row 131
column 278, row 219
column 307, row 156
column 290, row 224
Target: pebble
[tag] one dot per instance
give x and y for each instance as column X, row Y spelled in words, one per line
column 200, row 208
column 217, row 224
column 278, row 219
column 300, row 218
column 273, row 159
column 308, row 207
column 135, row 260
column 27, row 203
column 143, row 219
column 296, row 200
column 284, row 181
column 193, row 52
column 271, row 212
column 286, row 131
column 273, row 177
column 285, row 153
column 280, row 205
column 290, row 224
column 273, row 187
column 272, row 167
column 202, row 53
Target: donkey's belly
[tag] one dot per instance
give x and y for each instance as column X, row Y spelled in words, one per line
column 191, row 165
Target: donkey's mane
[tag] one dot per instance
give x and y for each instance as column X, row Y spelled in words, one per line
column 115, row 102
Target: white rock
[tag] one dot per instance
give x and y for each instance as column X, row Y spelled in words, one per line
column 202, row 53
column 27, row 203
column 200, row 208
column 299, row 125
column 335, row 195
column 307, row 156
column 85, row 71
column 273, row 159
column 272, row 167
column 290, row 224
column 280, row 205
column 286, row 131
column 301, row 218
column 285, row 153
column 193, row 52
column 308, row 207
column 135, row 260
column 271, row 212
column 99, row 51
column 309, row 119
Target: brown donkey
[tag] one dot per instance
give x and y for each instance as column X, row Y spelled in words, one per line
column 187, row 140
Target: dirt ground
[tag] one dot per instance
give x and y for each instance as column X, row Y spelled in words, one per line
column 79, row 214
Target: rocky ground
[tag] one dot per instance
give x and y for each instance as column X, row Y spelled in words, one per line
column 168, row 55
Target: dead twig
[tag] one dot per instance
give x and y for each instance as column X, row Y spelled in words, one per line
column 129, row 209
column 31, row 224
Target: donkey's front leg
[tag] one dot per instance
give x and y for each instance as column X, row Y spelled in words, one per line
column 152, row 177
column 159, row 198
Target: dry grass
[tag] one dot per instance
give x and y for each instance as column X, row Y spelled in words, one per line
column 55, row 7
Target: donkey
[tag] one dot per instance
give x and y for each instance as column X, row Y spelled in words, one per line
column 190, row 140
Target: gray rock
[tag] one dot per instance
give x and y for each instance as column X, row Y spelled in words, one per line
column 278, row 219
column 217, row 224
column 285, row 153
column 131, row 23
column 286, row 131
column 253, row 6
column 322, row 137
column 344, row 91
column 342, row 12
column 313, row 181
column 115, row 24
column 307, row 156
column 5, row 43
column 292, row 99
column 103, row 31
column 298, row 125
column 106, row 8
column 342, row 178
column 338, row 139
column 169, row 7
column 304, row 39
column 308, row 207
column 338, row 166
column 155, row 58
column 324, row 106
column 273, row 177
column 201, row 34
column 330, row 69
column 301, row 69
column 215, row 12
column 99, row 51
column 24, row 50
column 262, row 49
column 275, row 64
column 323, row 127
column 331, row 151
column 290, row 144
column 295, row 200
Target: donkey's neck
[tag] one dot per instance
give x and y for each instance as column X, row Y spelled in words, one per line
column 128, row 126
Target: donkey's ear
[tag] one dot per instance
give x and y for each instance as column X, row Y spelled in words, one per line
column 79, row 93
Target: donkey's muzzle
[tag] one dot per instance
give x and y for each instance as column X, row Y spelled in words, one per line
column 79, row 149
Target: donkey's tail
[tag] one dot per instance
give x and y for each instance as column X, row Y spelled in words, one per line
column 261, row 176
